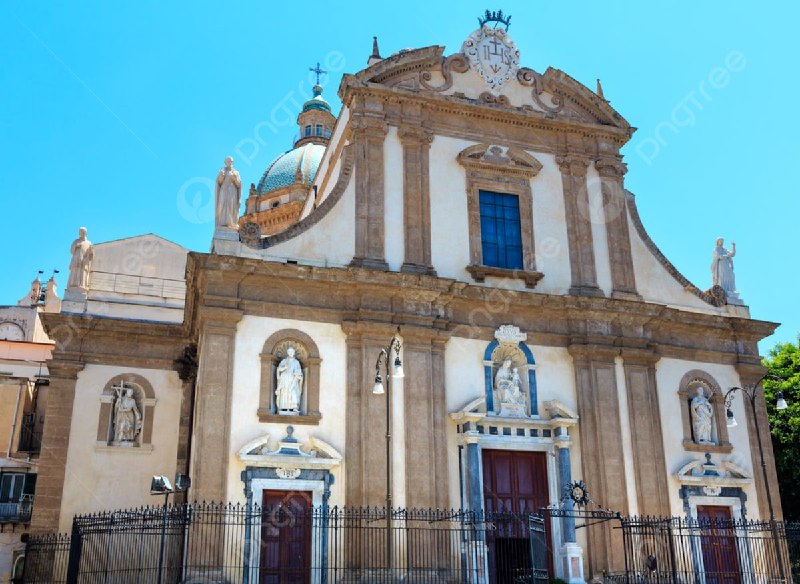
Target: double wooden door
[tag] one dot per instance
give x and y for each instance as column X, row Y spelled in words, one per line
column 514, row 485
column 718, row 543
column 286, row 538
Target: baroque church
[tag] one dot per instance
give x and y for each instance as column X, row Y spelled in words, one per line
column 441, row 298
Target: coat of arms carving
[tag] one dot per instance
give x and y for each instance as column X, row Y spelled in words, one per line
column 493, row 55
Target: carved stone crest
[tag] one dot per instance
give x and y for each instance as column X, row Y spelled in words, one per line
column 508, row 333
column 493, row 55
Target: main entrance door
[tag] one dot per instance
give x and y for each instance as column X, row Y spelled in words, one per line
column 514, row 485
column 286, row 538
column 718, row 541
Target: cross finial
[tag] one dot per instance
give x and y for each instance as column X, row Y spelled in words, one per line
column 318, row 71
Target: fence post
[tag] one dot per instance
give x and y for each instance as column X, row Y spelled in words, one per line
column 75, row 547
column 673, row 565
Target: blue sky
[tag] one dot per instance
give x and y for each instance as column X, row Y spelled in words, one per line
column 117, row 115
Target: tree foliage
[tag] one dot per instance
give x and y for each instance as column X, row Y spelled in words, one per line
column 783, row 363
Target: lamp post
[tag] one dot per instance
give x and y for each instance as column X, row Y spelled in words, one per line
column 384, row 358
column 750, row 392
column 160, row 485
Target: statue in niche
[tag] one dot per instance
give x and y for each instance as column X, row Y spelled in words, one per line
column 81, row 262
column 228, row 196
column 722, row 267
column 290, row 384
column 702, row 414
column 127, row 418
column 507, row 384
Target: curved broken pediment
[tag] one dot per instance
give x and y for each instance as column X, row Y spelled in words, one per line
column 290, row 452
column 500, row 159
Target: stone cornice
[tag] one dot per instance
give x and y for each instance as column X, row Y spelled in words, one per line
column 389, row 299
column 437, row 105
column 83, row 339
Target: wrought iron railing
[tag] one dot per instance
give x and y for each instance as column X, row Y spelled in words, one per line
column 236, row 543
column 17, row 511
column 672, row 550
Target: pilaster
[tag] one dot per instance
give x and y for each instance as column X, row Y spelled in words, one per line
column 601, row 448
column 369, row 134
column 212, row 416
column 416, row 142
column 623, row 279
column 55, row 445
column 579, row 228
column 649, row 462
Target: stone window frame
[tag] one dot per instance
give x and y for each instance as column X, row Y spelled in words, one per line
column 311, row 366
column 686, row 390
column 509, row 172
column 147, row 398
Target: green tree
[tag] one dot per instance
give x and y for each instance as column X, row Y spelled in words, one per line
column 783, row 363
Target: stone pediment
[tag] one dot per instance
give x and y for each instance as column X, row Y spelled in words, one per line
column 315, row 453
column 708, row 474
column 553, row 93
column 475, row 412
column 500, row 159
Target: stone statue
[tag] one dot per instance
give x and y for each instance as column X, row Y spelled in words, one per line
column 81, row 262
column 290, row 384
column 702, row 413
column 228, row 196
column 507, row 384
column 127, row 418
column 722, row 267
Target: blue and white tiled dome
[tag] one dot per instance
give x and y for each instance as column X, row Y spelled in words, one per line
column 297, row 166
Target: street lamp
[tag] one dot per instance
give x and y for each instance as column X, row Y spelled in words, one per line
column 160, row 485
column 750, row 392
column 384, row 358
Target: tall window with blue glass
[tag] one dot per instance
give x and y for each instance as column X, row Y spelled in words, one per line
column 501, row 237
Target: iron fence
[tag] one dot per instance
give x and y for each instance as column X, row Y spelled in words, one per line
column 676, row 550
column 792, row 531
column 208, row 543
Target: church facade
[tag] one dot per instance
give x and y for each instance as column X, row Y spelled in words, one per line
column 464, row 218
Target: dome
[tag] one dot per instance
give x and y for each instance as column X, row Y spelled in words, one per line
column 317, row 102
column 297, row 166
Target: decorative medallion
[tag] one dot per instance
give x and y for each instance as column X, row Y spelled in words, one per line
column 577, row 492
column 250, row 234
column 508, row 333
column 712, row 490
column 491, row 52
column 287, row 473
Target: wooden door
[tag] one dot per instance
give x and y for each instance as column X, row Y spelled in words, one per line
column 514, row 485
column 718, row 543
column 286, row 538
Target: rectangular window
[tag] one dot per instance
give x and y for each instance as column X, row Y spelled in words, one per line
column 307, row 131
column 501, row 236
column 11, row 487
column 318, row 130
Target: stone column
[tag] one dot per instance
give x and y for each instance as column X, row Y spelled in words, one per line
column 601, row 449
column 623, row 278
column 579, row 226
column 212, row 416
column 571, row 553
column 649, row 462
column 369, row 133
column 55, row 445
column 474, row 478
column 416, row 200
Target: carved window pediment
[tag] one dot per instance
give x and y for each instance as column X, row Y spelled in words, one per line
column 500, row 159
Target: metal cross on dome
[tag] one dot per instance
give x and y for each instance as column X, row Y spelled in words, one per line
column 318, row 71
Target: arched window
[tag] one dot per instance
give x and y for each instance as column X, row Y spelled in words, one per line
column 289, row 379
column 307, row 131
column 127, row 405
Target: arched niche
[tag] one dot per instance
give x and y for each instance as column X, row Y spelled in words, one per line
column 145, row 399
column 274, row 351
column 522, row 357
column 687, row 390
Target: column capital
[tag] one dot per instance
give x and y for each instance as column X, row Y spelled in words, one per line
column 415, row 135
column 610, row 167
column 369, row 126
column 572, row 164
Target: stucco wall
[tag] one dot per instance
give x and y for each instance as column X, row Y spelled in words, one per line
column 668, row 376
column 100, row 478
column 251, row 334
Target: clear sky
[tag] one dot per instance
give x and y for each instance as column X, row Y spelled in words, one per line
column 117, row 115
